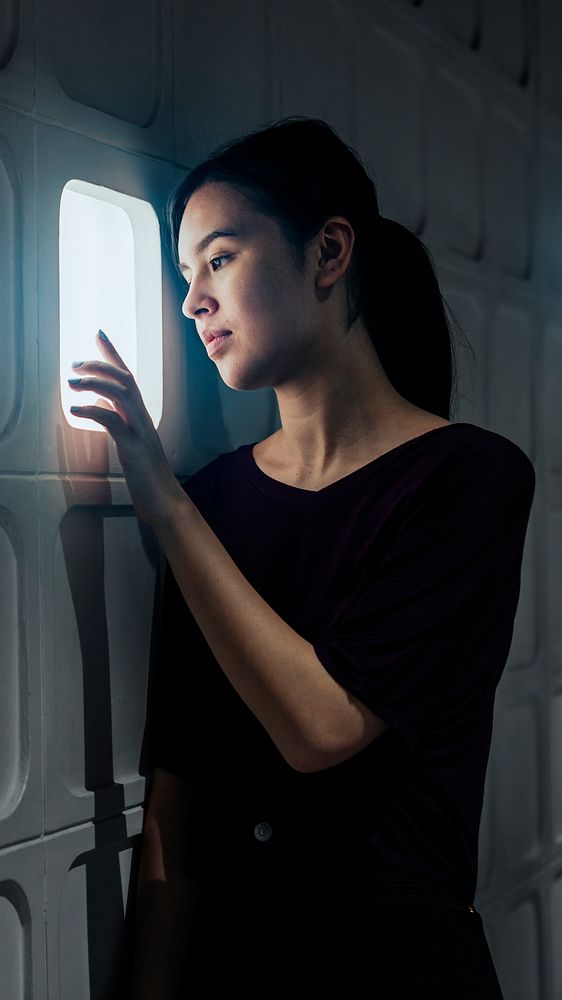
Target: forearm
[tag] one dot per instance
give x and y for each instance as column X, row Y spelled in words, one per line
column 274, row 669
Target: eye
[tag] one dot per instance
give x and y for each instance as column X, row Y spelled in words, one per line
column 223, row 256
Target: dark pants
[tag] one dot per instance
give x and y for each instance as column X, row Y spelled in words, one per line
column 266, row 932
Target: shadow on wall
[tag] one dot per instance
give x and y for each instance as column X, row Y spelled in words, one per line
column 109, row 915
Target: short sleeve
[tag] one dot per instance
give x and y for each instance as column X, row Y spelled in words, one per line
column 441, row 596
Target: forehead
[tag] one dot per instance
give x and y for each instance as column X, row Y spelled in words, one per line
column 216, row 207
column 212, row 207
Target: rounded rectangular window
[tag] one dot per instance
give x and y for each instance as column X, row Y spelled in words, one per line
column 110, row 278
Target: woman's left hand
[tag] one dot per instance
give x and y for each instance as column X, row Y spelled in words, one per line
column 154, row 489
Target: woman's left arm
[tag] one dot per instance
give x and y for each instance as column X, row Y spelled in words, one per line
column 313, row 721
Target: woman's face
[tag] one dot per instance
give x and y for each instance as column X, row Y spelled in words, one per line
column 247, row 284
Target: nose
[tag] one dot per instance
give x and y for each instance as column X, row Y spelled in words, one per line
column 185, row 307
column 195, row 301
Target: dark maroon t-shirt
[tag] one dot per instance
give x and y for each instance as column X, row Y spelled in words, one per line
column 405, row 577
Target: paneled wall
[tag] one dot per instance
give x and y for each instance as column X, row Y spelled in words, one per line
column 457, row 107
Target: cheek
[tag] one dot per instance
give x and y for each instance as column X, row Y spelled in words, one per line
column 266, row 293
column 276, row 286
column 260, row 293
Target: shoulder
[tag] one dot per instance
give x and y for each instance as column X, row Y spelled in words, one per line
column 490, row 477
column 499, row 456
column 470, row 468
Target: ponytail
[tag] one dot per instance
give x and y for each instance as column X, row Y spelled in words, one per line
column 402, row 308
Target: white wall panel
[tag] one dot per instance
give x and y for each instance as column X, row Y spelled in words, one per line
column 11, row 654
column 461, row 19
column 17, row 62
column 102, row 68
column 520, row 951
column 294, row 24
column 22, row 943
column 223, row 73
column 18, row 374
column 549, row 21
column 549, row 257
column 521, row 797
column 14, row 958
column 513, row 337
column 556, row 777
column 21, row 810
column 506, row 36
column 455, row 112
column 109, row 58
column 508, row 190
column 89, row 898
column 98, row 602
column 10, row 281
column 390, row 120
column 551, row 380
column 555, row 920
column 554, row 584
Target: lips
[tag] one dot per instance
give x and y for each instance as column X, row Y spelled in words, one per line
column 210, row 334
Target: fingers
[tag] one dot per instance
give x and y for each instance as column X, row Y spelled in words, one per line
column 108, row 348
column 122, row 374
column 114, row 390
column 116, row 368
column 109, row 418
column 118, row 385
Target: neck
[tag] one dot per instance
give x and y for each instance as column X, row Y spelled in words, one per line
column 339, row 410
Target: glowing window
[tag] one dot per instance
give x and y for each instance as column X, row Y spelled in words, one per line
column 110, row 278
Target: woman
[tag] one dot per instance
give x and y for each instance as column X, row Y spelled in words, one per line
column 338, row 602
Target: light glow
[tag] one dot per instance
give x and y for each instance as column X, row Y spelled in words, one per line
column 110, row 278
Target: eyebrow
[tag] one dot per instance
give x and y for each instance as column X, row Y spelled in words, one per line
column 199, row 247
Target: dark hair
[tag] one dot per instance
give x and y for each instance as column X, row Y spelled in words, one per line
column 300, row 173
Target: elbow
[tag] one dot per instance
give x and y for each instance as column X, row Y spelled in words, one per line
column 317, row 760
column 309, row 766
column 309, row 755
column 301, row 755
column 363, row 729
column 314, row 757
column 320, row 760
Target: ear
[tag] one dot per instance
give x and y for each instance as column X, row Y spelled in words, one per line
column 335, row 244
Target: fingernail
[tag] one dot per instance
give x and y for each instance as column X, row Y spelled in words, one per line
column 103, row 336
column 75, row 409
column 76, row 364
column 74, row 381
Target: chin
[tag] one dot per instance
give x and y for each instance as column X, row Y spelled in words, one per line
column 245, row 381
